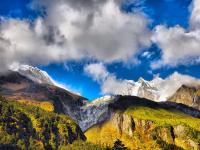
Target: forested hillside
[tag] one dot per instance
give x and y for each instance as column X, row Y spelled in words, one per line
column 29, row 126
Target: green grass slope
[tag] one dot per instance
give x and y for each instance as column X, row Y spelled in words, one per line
column 162, row 117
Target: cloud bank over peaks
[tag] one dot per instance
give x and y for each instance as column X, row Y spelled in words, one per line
column 72, row 30
column 179, row 45
column 157, row 89
column 108, row 81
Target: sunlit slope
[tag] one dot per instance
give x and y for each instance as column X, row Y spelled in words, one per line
column 147, row 127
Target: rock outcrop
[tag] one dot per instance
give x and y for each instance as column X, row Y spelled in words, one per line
column 187, row 95
column 143, row 134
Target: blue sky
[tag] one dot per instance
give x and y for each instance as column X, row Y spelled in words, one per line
column 17, row 9
column 169, row 13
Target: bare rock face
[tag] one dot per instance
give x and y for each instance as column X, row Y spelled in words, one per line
column 94, row 112
column 181, row 133
column 124, row 124
column 127, row 125
column 177, row 136
column 166, row 134
column 187, row 95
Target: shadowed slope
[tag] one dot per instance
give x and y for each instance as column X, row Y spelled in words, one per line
column 17, row 87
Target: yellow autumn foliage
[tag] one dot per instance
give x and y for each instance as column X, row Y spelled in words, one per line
column 44, row 105
column 198, row 92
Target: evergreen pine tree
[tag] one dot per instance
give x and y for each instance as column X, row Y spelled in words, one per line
column 118, row 145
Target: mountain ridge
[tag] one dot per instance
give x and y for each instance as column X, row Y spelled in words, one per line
column 157, row 89
column 79, row 108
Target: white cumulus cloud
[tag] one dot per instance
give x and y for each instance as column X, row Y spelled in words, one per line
column 179, row 45
column 73, row 30
column 97, row 71
column 108, row 81
column 162, row 88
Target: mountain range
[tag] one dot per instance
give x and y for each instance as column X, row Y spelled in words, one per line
column 157, row 114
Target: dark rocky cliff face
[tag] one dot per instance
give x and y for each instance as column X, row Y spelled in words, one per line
column 187, row 95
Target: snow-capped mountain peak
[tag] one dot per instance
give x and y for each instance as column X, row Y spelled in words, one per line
column 33, row 73
column 37, row 75
column 157, row 89
column 141, row 80
column 144, row 83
